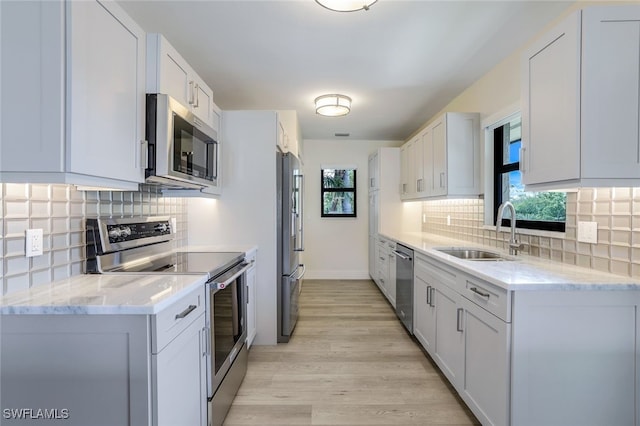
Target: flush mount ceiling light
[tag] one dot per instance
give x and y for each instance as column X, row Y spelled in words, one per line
column 333, row 105
column 346, row 5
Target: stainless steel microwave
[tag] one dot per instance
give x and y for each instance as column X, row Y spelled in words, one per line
column 183, row 151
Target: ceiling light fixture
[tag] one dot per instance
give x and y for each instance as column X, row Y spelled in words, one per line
column 333, row 105
column 346, row 5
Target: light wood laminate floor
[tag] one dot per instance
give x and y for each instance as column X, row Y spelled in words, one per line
column 349, row 362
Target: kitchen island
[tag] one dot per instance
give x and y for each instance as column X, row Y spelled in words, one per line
column 526, row 341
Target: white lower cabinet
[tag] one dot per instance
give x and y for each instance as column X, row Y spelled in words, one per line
column 575, row 358
column 251, row 299
column 449, row 344
column 468, row 342
column 111, row 369
column 485, row 382
column 535, row 357
column 424, row 315
column 179, row 384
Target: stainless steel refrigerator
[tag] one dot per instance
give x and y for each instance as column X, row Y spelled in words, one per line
column 290, row 182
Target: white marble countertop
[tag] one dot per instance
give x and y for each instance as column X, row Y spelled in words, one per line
column 102, row 294
column 524, row 272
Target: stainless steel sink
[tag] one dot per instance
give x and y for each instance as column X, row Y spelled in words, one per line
column 473, row 254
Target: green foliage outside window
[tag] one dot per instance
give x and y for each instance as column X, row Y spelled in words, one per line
column 338, row 193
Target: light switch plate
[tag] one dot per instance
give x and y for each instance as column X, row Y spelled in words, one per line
column 33, row 242
column 588, row 232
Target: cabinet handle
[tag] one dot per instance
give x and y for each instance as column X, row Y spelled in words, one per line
column 480, row 293
column 144, row 154
column 417, row 185
column 196, row 95
column 382, row 280
column 404, row 188
column 191, row 93
column 186, row 312
column 442, row 180
column 521, row 159
column 433, row 303
column 371, row 182
column 428, row 293
column 459, row 320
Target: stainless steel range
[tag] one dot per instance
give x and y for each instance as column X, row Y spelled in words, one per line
column 145, row 246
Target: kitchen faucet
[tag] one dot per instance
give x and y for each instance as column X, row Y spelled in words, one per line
column 514, row 245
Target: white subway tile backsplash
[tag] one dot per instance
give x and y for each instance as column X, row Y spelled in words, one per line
column 60, row 211
column 40, row 192
column 16, row 209
column 16, row 264
column 16, row 282
column 616, row 210
column 15, row 227
column 14, row 246
column 41, row 262
column 13, row 191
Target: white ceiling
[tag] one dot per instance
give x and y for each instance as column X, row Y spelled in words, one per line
column 401, row 61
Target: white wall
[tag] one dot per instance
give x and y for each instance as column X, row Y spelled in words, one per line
column 336, row 248
column 246, row 212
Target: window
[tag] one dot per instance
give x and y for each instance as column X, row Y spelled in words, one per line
column 338, row 192
column 534, row 210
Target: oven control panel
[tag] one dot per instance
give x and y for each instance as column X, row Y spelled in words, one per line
column 118, row 233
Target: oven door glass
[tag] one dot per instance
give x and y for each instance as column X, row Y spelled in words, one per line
column 228, row 322
column 194, row 153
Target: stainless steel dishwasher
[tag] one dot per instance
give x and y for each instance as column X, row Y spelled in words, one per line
column 404, row 286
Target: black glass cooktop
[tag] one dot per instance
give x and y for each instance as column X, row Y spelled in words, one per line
column 211, row 263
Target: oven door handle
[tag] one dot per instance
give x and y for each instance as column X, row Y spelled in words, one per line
column 220, row 285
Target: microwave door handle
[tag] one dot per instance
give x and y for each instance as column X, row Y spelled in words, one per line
column 215, row 160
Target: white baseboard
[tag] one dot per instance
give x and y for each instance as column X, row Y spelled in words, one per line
column 336, row 275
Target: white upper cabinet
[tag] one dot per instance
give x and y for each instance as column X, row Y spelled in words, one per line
column 170, row 74
column 78, row 115
column 444, row 160
column 289, row 133
column 581, row 102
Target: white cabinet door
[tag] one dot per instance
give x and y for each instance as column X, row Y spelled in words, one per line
column 583, row 348
column 449, row 354
column 251, row 303
column 180, row 385
column 485, row 387
column 424, row 314
column 106, row 71
column 551, row 106
column 411, row 189
column 374, row 172
column 202, row 105
column 610, row 92
column 404, row 171
column 419, row 167
column 171, row 71
column 391, row 282
column 373, row 265
column 439, row 157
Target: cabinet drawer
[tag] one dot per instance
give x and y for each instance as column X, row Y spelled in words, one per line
column 488, row 296
column 166, row 325
column 441, row 274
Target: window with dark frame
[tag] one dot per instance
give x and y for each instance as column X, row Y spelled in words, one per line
column 338, row 192
column 544, row 211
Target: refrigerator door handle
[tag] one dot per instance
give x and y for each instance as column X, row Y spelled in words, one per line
column 301, row 274
column 300, row 212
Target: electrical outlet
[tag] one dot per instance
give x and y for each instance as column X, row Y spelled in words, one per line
column 588, row 232
column 448, row 220
column 33, row 242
